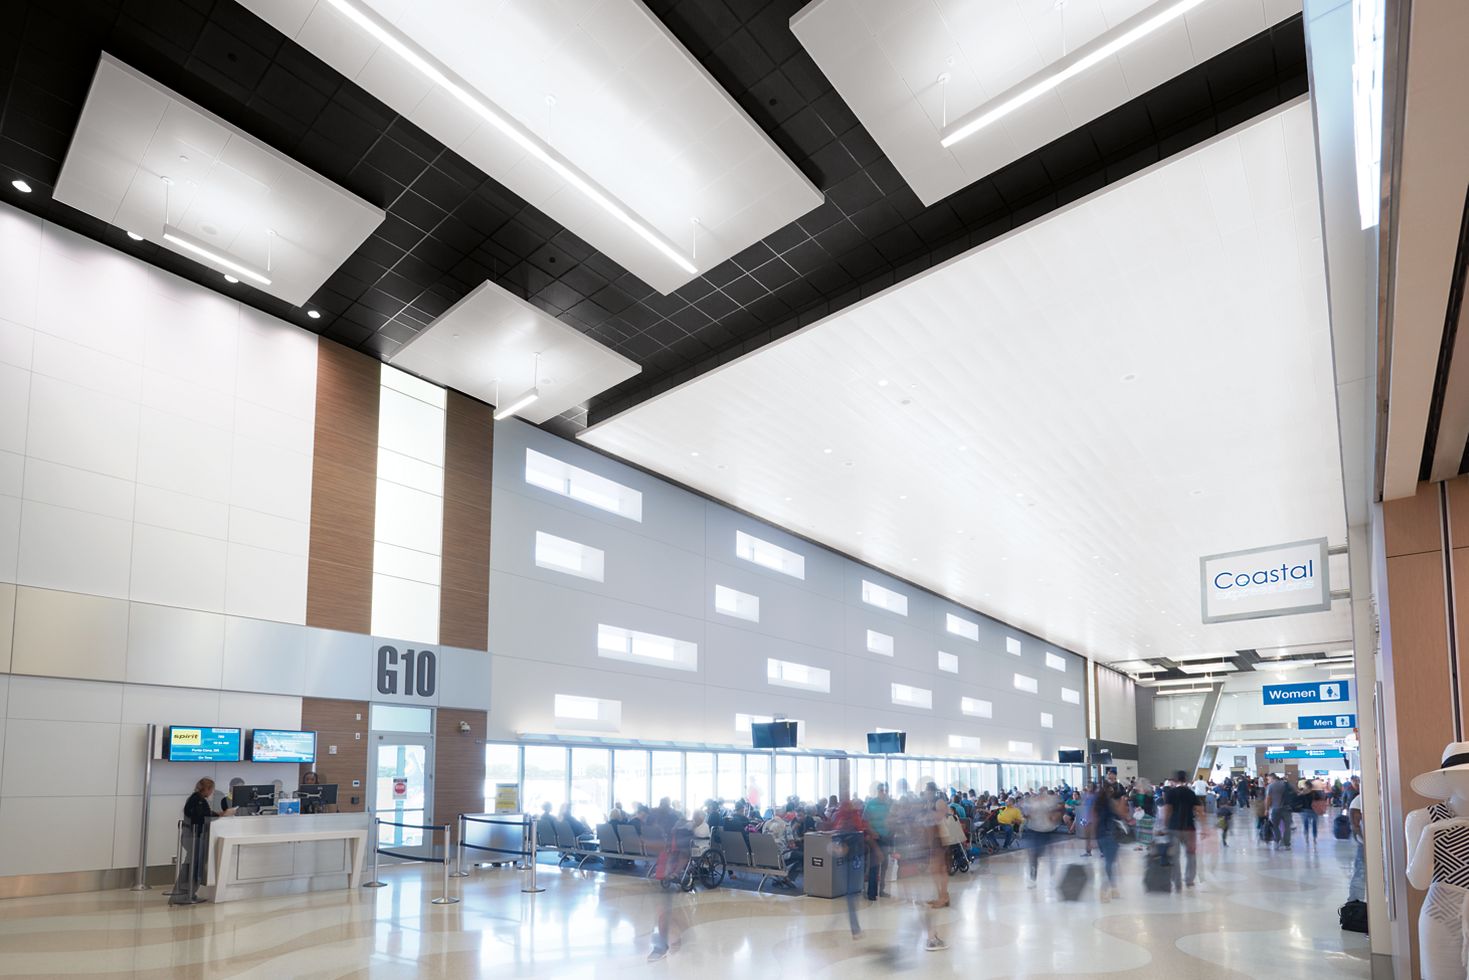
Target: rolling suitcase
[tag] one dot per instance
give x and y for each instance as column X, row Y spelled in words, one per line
column 1158, row 876
column 1073, row 882
column 1341, row 827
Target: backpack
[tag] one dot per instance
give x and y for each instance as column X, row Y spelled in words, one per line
column 1353, row 916
column 1157, row 877
column 1341, row 827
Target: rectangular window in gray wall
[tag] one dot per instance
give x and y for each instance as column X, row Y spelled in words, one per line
column 875, row 595
column 768, row 555
column 1070, row 695
column 960, row 626
column 785, row 673
column 948, row 662
column 569, row 557
column 573, row 482
column 1012, row 646
column 879, row 643
column 912, row 697
column 977, row 707
column 1026, row 683
column 1055, row 662
column 732, row 602
column 617, row 643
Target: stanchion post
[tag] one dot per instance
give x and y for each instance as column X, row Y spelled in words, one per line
column 141, row 885
column 374, row 883
column 178, row 860
column 445, row 899
column 534, row 846
column 459, row 871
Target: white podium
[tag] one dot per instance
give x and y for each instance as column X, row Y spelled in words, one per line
column 249, row 853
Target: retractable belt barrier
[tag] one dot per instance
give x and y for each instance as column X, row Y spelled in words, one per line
column 377, row 849
column 529, row 856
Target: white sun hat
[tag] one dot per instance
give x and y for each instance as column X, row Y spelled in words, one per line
column 1433, row 784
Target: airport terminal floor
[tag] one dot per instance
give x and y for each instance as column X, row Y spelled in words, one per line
column 1256, row 912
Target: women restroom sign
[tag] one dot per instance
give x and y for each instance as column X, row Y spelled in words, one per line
column 1256, row 583
column 1319, row 692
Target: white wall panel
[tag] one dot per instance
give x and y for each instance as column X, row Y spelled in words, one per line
column 183, row 398
column 82, row 428
column 44, row 834
column 20, row 246
column 248, row 710
column 181, row 512
column 65, row 486
column 276, row 365
column 15, row 398
column 179, row 647
column 270, row 479
column 464, row 678
column 265, row 584
column 191, row 333
column 7, row 630
column 337, row 665
column 12, row 473
column 74, row 757
column 17, row 341
column 176, row 569
column 71, row 550
column 263, row 656
column 64, row 634
column 9, row 538
column 86, row 367
column 274, row 428
column 178, row 453
column 142, row 705
column 97, row 316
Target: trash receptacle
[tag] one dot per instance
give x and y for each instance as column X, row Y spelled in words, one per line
column 833, row 864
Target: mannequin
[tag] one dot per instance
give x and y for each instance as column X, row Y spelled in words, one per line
column 1438, row 860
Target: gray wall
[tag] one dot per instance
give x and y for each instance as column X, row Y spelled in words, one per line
column 660, row 577
column 1161, row 753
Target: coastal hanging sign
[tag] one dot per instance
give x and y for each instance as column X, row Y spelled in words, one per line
column 1280, row 580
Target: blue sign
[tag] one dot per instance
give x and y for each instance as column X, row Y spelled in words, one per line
column 1313, row 723
column 1305, row 754
column 1306, row 693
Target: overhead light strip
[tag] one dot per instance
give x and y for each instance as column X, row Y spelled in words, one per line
column 178, row 238
column 439, row 76
column 1084, row 59
column 517, row 404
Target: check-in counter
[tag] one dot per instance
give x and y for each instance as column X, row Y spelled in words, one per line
column 319, row 851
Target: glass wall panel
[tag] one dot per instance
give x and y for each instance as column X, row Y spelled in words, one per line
column 591, row 782
column 667, row 778
column 757, row 780
column 545, row 777
column 698, row 778
column 785, row 778
column 630, row 778
column 502, row 765
column 807, row 787
column 730, row 782
column 865, row 772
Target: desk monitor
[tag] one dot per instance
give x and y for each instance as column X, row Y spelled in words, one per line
column 199, row 743
column 324, row 793
column 275, row 745
column 253, row 795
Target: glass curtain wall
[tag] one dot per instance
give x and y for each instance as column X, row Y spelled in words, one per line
column 591, row 782
column 630, row 778
column 545, row 778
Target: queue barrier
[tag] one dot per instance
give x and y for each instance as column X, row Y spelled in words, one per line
column 527, row 854
column 445, row 829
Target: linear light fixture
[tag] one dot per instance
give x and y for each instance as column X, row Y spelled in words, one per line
column 385, row 35
column 517, row 404
column 1084, row 58
column 171, row 234
column 1223, row 668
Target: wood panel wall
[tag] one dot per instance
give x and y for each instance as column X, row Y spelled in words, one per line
column 464, row 597
column 459, row 764
column 345, row 725
column 343, row 490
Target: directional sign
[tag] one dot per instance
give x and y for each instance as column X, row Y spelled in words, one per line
column 1304, row 754
column 1315, row 723
column 1306, row 693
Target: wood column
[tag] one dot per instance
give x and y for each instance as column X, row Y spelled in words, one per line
column 464, row 596
column 459, row 764
column 343, row 490
column 342, row 724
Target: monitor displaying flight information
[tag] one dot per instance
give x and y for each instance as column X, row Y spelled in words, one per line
column 275, row 745
column 196, row 743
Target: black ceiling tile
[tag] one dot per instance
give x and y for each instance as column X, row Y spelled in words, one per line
column 798, row 294
column 583, row 280
column 813, row 86
column 413, row 268
column 380, row 251
column 481, row 215
column 640, row 346
column 451, row 239
column 639, row 317
column 412, row 318
column 349, row 334
column 898, row 243
column 807, row 132
column 839, row 238
column 745, row 290
column 665, row 361
column 1125, row 166
column 376, row 299
column 772, row 28
column 821, row 217
column 1235, row 114
column 1240, row 67
column 603, row 266
column 854, row 193
column 590, row 313
column 717, row 305
column 691, row 318
column 517, row 238
column 459, row 170
column 830, row 165
column 886, row 177
column 360, row 267
column 524, row 280
column 664, row 305
column 330, row 301
column 784, row 239
column 693, row 290
column 366, row 316
column 439, row 188
column 308, row 68
column 496, row 256
column 572, row 246
column 544, row 306
column 864, row 148
column 175, row 23
column 348, row 134
column 28, row 130
column 829, row 278
column 937, row 223
column 537, row 221
column 230, row 56
column 861, row 260
column 806, row 257
column 346, row 285
column 695, row 21
column 418, row 211
column 614, row 330
column 287, row 92
column 248, row 28
column 633, row 287
column 1076, row 189
column 432, row 305
column 1021, row 180
column 726, row 271
column 913, row 266
column 664, row 333
column 1293, row 87
column 876, row 219
column 739, row 62
column 1182, row 99
column 773, row 99
column 390, row 156
column 381, row 345
column 773, row 274
column 769, row 310
column 1123, row 127
column 560, row 295
column 1073, row 152
column 754, row 256
column 976, row 202
column 877, row 282
column 470, row 272
column 1184, row 137
column 839, row 117
column 414, row 138
column 612, row 299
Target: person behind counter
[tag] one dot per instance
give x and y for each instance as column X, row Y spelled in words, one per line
column 311, row 779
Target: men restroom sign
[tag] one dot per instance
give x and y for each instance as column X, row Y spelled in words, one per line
column 1256, row 583
column 1316, row 723
column 1321, row 691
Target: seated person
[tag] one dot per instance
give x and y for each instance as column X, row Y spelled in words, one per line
column 701, row 835
column 616, row 815
column 579, row 828
column 1011, row 819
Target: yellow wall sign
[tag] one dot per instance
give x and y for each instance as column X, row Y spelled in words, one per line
column 507, row 798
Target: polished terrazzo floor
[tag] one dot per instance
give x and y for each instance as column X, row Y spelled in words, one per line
column 1257, row 913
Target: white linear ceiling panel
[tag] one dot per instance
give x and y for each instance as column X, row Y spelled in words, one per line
column 603, row 87
column 149, row 161
column 495, row 346
column 1055, row 426
column 886, row 58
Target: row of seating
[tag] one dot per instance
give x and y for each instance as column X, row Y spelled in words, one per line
column 755, row 853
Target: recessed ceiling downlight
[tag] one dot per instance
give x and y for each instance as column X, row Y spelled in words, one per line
column 313, row 314
column 21, row 186
column 135, row 236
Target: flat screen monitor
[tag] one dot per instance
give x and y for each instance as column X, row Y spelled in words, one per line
column 773, row 735
column 325, row 794
column 197, row 743
column 259, row 795
column 275, row 745
column 1074, row 756
column 887, row 743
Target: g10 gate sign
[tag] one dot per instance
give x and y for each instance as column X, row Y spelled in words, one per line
column 406, row 674
column 1257, row 583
